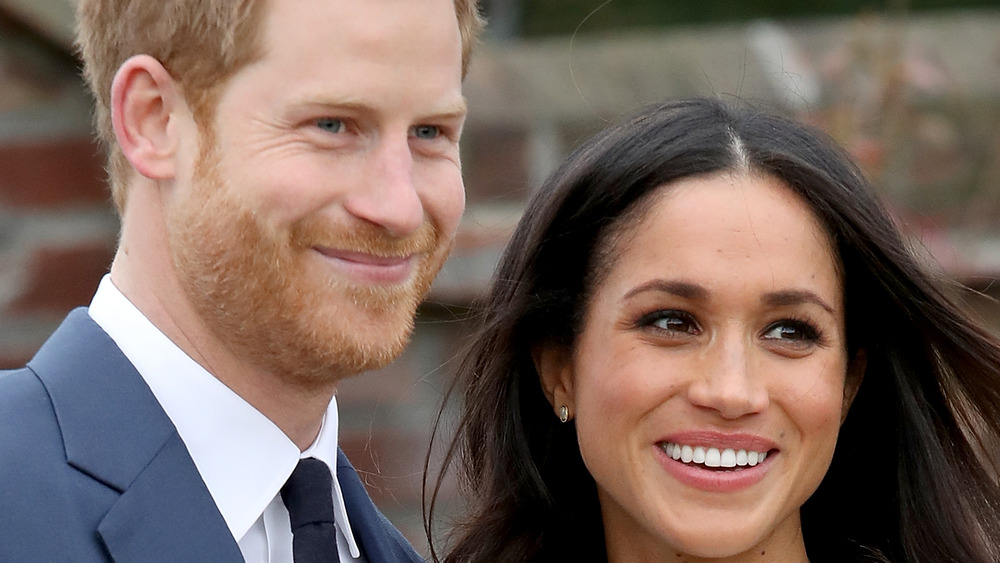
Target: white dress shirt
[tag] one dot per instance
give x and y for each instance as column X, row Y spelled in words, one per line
column 241, row 455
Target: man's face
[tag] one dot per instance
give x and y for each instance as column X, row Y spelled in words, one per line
column 327, row 193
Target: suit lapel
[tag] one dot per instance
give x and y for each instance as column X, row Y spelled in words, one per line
column 115, row 431
column 380, row 541
column 163, row 516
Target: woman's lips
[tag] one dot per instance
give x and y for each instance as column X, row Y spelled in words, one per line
column 716, row 462
column 369, row 268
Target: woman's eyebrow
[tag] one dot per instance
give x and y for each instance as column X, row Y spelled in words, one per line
column 788, row 297
column 680, row 288
column 693, row 291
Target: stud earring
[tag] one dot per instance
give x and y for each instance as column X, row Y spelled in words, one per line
column 563, row 414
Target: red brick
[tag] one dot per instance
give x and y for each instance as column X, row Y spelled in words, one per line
column 60, row 279
column 495, row 164
column 49, row 174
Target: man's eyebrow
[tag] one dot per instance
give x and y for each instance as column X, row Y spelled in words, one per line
column 456, row 108
column 788, row 297
column 347, row 102
column 679, row 288
column 452, row 109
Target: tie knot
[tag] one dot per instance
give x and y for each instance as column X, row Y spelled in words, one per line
column 308, row 494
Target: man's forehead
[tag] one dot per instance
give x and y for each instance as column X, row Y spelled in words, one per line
column 366, row 15
column 390, row 32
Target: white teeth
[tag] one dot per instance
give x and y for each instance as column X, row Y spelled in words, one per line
column 728, row 458
column 714, row 457
column 741, row 457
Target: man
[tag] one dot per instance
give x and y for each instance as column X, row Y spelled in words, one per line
column 287, row 174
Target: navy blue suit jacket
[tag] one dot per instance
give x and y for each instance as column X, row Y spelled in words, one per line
column 92, row 469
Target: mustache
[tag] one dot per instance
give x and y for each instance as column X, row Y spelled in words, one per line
column 364, row 238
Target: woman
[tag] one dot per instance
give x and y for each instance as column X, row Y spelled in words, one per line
column 707, row 340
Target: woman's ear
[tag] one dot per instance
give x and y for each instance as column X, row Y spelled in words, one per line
column 554, row 365
column 143, row 102
column 852, row 382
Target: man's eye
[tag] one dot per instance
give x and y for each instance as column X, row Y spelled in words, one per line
column 330, row 124
column 426, row 131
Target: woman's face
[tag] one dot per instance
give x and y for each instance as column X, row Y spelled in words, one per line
column 708, row 383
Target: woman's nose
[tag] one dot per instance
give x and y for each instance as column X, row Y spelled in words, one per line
column 727, row 381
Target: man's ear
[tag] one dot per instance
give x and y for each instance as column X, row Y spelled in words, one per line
column 144, row 98
column 554, row 365
column 852, row 382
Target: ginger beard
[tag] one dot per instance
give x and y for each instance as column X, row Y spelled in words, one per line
column 266, row 296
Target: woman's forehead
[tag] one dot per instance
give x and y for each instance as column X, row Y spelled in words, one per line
column 720, row 225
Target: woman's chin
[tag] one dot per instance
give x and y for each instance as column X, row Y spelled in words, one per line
column 720, row 543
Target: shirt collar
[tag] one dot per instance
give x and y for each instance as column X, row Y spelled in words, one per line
column 241, row 455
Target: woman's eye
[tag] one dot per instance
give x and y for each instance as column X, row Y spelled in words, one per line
column 426, row 132
column 790, row 330
column 671, row 321
column 330, row 124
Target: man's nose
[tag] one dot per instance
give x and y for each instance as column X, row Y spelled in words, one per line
column 728, row 382
column 388, row 195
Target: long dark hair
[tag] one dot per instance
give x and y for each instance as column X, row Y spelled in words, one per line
column 913, row 477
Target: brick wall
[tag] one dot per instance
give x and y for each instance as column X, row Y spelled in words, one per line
column 57, row 237
column 57, row 230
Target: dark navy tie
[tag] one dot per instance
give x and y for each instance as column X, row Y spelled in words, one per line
column 308, row 496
